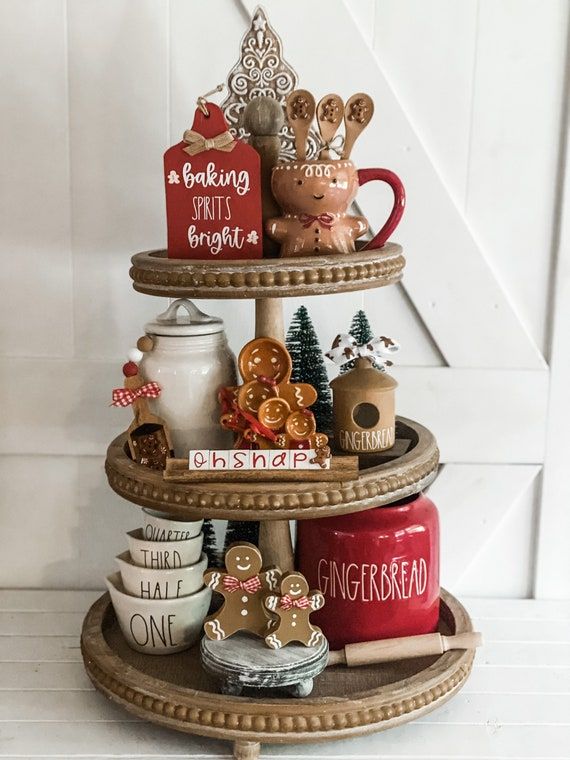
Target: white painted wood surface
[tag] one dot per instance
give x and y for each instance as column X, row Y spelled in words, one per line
column 514, row 705
column 469, row 98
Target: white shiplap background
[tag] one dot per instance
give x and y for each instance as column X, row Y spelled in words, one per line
column 470, row 98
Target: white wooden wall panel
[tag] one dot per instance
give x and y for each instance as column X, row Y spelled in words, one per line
column 494, row 556
column 118, row 69
column 468, row 112
column 515, row 144
column 436, row 96
column 34, row 192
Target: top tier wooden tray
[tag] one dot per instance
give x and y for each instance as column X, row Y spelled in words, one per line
column 155, row 274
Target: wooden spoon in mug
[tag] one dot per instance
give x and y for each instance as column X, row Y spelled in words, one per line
column 358, row 113
column 330, row 111
column 300, row 108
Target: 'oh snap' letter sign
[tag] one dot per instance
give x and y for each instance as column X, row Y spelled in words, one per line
column 213, row 193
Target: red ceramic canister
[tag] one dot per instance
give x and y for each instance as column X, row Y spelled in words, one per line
column 378, row 571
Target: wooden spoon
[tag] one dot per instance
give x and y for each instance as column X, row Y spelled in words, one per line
column 300, row 108
column 358, row 113
column 329, row 116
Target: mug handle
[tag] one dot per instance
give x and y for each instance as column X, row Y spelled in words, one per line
column 385, row 175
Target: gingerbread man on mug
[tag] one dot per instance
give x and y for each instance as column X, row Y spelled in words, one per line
column 315, row 197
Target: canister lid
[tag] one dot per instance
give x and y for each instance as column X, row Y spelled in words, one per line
column 193, row 322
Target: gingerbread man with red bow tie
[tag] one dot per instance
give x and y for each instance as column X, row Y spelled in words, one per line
column 315, row 197
column 244, row 585
column 293, row 607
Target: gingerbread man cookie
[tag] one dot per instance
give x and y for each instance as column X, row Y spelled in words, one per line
column 243, row 584
column 260, row 409
column 301, row 432
column 292, row 607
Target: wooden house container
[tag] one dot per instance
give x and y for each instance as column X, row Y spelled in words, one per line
column 364, row 417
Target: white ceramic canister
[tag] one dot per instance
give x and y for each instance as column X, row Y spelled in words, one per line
column 191, row 361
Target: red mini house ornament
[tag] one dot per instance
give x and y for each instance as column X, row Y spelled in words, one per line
column 213, row 192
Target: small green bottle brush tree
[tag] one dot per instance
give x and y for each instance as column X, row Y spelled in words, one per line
column 309, row 366
column 362, row 333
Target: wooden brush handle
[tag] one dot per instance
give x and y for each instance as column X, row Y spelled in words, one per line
column 404, row 648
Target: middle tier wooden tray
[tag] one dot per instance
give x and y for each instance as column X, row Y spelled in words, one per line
column 376, row 485
column 155, row 274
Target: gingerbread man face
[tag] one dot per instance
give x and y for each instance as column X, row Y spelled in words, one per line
column 294, row 585
column 265, row 359
column 243, row 561
column 315, row 187
column 253, row 394
column 300, row 425
column 273, row 413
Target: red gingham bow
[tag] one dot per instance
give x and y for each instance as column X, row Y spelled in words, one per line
column 250, row 586
column 126, row 396
column 287, row 602
column 325, row 219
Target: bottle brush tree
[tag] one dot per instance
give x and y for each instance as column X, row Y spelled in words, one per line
column 309, row 366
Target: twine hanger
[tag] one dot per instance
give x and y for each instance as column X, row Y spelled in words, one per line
column 202, row 99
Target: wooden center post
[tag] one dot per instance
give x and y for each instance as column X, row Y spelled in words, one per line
column 274, row 535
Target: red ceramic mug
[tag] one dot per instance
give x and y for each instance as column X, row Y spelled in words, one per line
column 378, row 571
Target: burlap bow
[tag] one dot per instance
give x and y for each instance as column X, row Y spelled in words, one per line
column 197, row 143
column 345, row 349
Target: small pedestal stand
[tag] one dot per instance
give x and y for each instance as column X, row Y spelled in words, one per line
column 175, row 690
column 245, row 662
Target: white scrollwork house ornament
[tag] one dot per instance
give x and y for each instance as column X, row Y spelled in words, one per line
column 261, row 71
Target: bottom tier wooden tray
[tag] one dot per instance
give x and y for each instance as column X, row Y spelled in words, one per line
column 175, row 691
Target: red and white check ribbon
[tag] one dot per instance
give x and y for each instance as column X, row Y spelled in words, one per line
column 287, row 602
column 126, row 396
column 250, row 586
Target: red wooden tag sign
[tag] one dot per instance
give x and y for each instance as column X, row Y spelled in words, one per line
column 213, row 198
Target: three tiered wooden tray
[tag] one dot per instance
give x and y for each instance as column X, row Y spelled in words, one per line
column 174, row 690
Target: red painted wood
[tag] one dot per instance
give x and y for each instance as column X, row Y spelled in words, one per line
column 378, row 571
column 213, row 199
column 385, row 175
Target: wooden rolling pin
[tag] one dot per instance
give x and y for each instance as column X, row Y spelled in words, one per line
column 386, row 650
